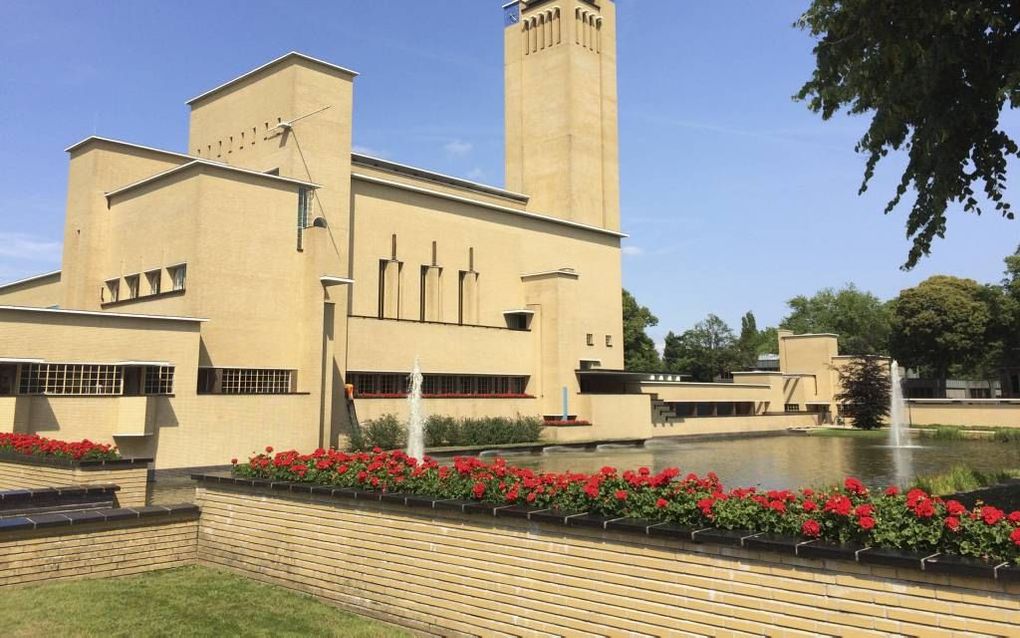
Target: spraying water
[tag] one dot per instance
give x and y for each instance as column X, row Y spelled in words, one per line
column 897, row 408
column 416, row 418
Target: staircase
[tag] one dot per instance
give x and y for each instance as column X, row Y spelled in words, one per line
column 662, row 414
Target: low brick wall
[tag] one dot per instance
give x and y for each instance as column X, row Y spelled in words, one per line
column 96, row 544
column 132, row 475
column 447, row 572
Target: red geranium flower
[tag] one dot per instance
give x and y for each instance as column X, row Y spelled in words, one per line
column 955, row 508
column 952, row 523
column 621, row 495
column 892, row 490
column 866, row 522
column 811, row 528
column 809, row 506
column 991, row 515
column 478, row 490
column 661, row 503
column 1015, row 537
column 855, row 486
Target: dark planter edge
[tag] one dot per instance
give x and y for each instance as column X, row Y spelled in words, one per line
column 88, row 464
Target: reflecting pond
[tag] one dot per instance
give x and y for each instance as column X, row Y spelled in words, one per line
column 788, row 461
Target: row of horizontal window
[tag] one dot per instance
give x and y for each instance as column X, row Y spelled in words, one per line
column 369, row 384
column 83, row 379
column 152, row 280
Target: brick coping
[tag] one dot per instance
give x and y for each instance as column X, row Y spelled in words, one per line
column 58, row 521
column 929, row 562
column 85, row 465
column 22, row 496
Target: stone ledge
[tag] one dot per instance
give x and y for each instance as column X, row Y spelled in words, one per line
column 933, row 562
column 87, row 464
column 151, row 513
column 29, row 496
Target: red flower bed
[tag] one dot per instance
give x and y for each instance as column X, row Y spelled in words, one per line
column 34, row 445
column 849, row 513
column 448, row 395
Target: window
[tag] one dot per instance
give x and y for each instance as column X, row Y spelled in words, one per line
column 245, row 381
column 609, row 341
column 590, row 339
column 112, row 291
column 517, row 320
column 792, row 407
column 389, row 288
column 153, row 279
column 132, row 286
column 71, row 379
column 392, row 385
column 178, row 276
column 159, row 380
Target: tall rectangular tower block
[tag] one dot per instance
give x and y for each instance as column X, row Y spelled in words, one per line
column 562, row 142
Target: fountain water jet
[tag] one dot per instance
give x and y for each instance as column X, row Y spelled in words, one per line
column 897, row 407
column 416, row 416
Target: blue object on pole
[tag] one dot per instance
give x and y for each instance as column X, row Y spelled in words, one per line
column 566, row 412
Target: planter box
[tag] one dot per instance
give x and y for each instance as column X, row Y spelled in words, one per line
column 132, row 475
column 454, row 568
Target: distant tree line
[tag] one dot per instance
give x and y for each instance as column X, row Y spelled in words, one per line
column 945, row 326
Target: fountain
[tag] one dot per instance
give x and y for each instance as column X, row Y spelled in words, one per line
column 902, row 451
column 416, row 416
column 897, row 407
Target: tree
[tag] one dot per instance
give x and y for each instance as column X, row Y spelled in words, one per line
column 753, row 342
column 639, row 353
column 706, row 351
column 935, row 76
column 859, row 318
column 941, row 322
column 865, row 391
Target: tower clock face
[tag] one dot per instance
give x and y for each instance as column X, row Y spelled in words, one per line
column 512, row 15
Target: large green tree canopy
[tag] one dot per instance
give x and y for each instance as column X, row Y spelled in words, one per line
column 639, row 353
column 935, row 76
column 859, row 318
column 941, row 322
column 706, row 351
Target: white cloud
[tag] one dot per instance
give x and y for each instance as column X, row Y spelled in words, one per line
column 476, row 174
column 633, row 251
column 458, row 148
column 24, row 247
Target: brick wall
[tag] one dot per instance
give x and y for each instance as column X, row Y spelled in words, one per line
column 455, row 574
column 95, row 551
column 133, row 479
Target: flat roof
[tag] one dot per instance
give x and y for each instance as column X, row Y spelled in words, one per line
column 30, row 279
column 282, row 58
column 442, row 178
column 194, row 163
column 96, row 313
column 810, row 334
column 98, row 138
column 483, row 204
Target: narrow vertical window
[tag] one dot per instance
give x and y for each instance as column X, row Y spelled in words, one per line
column 132, row 283
column 112, row 291
column 178, row 276
column 304, row 207
column 153, row 278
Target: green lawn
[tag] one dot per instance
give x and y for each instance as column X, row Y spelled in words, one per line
column 190, row 601
column 846, row 432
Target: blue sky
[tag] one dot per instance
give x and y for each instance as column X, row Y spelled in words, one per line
column 736, row 197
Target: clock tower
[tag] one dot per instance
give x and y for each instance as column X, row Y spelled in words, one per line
column 562, row 145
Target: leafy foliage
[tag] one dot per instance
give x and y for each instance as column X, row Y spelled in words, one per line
column 941, row 322
column 706, row 351
column 389, row 433
column 639, row 353
column 935, row 77
column 865, row 391
column 859, row 318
